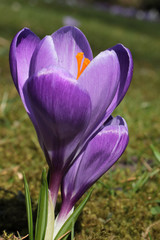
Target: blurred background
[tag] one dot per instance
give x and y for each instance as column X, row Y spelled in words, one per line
column 139, row 4
column 124, row 201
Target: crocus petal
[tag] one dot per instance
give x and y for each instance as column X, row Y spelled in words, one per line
column 100, row 79
column 68, row 42
column 100, row 154
column 61, row 109
column 21, row 50
column 126, row 72
column 44, row 56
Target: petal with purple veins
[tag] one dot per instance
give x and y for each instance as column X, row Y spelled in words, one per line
column 21, row 50
column 100, row 79
column 68, row 42
column 62, row 111
column 100, row 154
column 44, row 56
column 126, row 73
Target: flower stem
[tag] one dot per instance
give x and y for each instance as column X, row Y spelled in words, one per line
column 64, row 214
column 54, row 184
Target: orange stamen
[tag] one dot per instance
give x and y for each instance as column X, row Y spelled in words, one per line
column 79, row 57
column 86, row 61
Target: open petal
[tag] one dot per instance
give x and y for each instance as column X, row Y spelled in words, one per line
column 100, row 79
column 126, row 72
column 62, row 111
column 44, row 56
column 68, row 42
column 21, row 50
column 100, row 154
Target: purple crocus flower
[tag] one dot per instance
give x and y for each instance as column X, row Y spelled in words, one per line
column 69, row 96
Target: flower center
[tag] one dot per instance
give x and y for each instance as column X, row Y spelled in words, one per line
column 86, row 61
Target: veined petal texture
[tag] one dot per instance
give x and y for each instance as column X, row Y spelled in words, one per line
column 21, row 50
column 100, row 154
column 62, row 110
column 44, row 56
column 100, row 79
column 124, row 76
column 68, row 42
column 126, row 73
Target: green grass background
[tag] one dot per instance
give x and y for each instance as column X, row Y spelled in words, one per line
column 116, row 210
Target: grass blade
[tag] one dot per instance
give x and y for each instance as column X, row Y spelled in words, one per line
column 28, row 208
column 155, row 152
column 42, row 213
column 69, row 223
column 143, row 180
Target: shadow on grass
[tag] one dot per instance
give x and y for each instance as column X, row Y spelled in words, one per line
column 12, row 213
column 13, row 216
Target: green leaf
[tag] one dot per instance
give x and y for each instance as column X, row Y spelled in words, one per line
column 155, row 152
column 149, row 236
column 50, row 220
column 28, row 208
column 67, row 226
column 42, row 213
column 72, row 231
